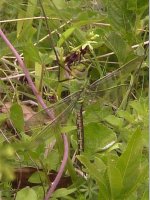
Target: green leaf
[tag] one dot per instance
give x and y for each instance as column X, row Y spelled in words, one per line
column 16, row 116
column 3, row 118
column 39, row 191
column 26, row 194
column 142, row 176
column 20, row 23
column 120, row 48
column 126, row 115
column 132, row 4
column 63, row 192
column 121, row 19
column 97, row 136
column 140, row 51
column 115, row 179
column 26, row 35
column 31, row 53
column 59, row 4
column 38, row 75
column 115, row 121
column 95, row 172
column 52, row 160
column 37, row 177
column 129, row 161
column 65, row 36
column 68, row 128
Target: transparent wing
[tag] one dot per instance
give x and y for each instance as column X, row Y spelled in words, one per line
column 114, row 84
column 40, row 124
column 117, row 75
column 108, row 88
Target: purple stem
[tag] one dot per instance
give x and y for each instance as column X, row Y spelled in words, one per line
column 61, row 169
column 27, row 74
column 44, row 106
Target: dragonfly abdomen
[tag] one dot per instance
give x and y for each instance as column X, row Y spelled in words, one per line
column 80, row 130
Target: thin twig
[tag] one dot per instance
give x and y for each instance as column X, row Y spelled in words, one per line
column 133, row 47
column 26, row 18
column 55, row 67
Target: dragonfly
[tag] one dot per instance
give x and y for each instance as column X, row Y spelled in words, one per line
column 101, row 90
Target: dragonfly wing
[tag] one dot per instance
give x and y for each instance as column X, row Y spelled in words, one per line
column 39, row 124
column 115, row 83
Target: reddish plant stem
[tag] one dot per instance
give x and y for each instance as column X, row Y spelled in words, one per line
column 44, row 106
column 61, row 169
column 27, row 74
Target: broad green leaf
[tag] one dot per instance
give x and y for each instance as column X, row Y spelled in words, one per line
column 16, row 116
column 39, row 191
column 54, row 159
column 129, row 161
column 126, row 115
column 141, row 107
column 65, row 36
column 113, row 120
column 141, row 177
column 115, row 179
column 26, row 194
column 99, row 164
column 63, row 192
column 37, row 177
column 97, row 175
column 97, row 136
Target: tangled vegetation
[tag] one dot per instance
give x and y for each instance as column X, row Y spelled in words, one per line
column 74, row 99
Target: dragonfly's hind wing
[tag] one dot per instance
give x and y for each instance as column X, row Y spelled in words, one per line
column 40, row 125
column 115, row 84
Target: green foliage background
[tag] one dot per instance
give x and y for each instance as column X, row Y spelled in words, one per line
column 110, row 29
